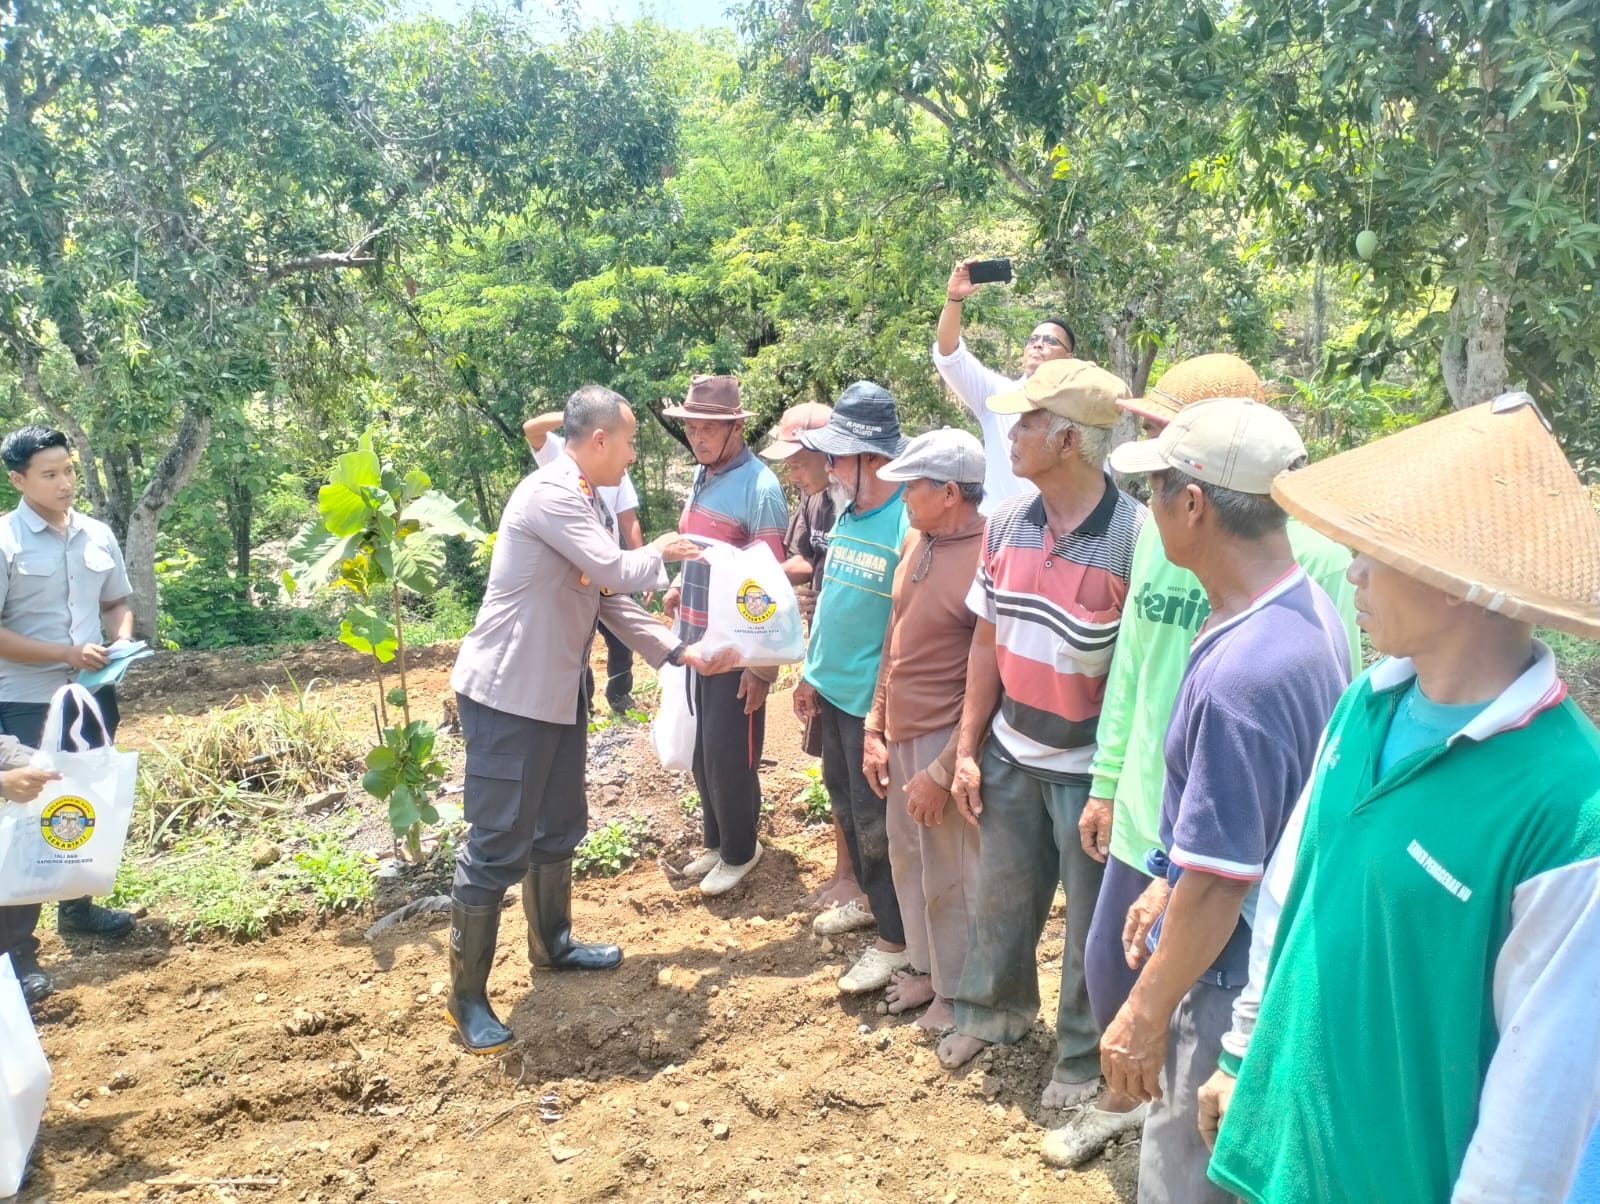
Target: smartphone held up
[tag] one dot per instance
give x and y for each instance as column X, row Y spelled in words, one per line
column 989, row 271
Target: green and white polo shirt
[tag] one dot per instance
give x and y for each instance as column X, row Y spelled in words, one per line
column 1429, row 941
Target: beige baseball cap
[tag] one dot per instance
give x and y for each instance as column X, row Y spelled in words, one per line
column 1232, row 442
column 1073, row 388
column 796, row 421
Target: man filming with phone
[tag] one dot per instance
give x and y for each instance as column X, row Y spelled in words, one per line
column 974, row 382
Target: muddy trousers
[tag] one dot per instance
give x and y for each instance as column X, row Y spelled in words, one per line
column 1028, row 842
column 1173, row 1156
column 861, row 814
column 727, row 765
column 25, row 721
column 935, row 868
column 524, row 797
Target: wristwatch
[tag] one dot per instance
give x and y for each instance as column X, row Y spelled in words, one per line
column 675, row 657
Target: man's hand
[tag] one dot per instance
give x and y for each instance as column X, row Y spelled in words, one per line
column 1133, row 1051
column 806, row 704
column 669, row 602
column 23, row 785
column 960, row 285
column 753, row 690
column 1216, row 1093
column 875, row 763
column 709, row 664
column 1094, row 828
column 966, row 789
column 673, row 546
column 1146, row 910
column 925, row 801
column 807, row 598
column 87, row 656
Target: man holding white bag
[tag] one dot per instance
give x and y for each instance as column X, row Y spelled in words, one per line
column 63, row 588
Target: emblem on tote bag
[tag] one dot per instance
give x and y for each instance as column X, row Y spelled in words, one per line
column 755, row 603
column 67, row 823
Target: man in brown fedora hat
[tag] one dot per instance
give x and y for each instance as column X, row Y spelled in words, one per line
column 1420, row 1018
column 735, row 499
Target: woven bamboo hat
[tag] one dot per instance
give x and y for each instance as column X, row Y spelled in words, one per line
column 1199, row 378
column 1481, row 504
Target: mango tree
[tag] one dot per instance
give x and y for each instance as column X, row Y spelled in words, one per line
column 380, row 528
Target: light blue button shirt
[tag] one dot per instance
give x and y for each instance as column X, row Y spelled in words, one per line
column 52, row 586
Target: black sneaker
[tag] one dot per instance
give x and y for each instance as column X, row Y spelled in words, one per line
column 84, row 915
column 36, row 984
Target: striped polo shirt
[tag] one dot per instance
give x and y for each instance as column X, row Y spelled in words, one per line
column 739, row 504
column 1056, row 609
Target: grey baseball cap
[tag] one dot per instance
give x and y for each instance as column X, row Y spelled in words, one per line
column 942, row 455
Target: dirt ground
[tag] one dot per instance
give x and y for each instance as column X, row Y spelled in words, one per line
column 718, row 1063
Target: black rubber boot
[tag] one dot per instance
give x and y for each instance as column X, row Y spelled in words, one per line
column 547, row 902
column 473, row 931
column 85, row 915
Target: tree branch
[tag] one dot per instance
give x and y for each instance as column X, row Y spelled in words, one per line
column 326, row 261
column 939, row 113
column 34, row 388
column 178, row 463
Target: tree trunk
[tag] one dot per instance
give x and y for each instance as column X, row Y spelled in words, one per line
column 1318, row 333
column 1473, row 359
column 172, row 472
column 241, row 513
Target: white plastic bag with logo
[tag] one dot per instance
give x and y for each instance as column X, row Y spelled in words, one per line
column 68, row 841
column 672, row 731
column 24, row 1081
column 752, row 607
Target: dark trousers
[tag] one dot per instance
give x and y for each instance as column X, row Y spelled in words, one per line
column 619, row 668
column 523, row 798
column 727, row 765
column 25, row 721
column 1105, row 963
column 862, row 815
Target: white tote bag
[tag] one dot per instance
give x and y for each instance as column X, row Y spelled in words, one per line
column 752, row 607
column 672, row 731
column 24, row 1081
column 68, row 841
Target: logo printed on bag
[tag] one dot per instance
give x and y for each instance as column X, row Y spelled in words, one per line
column 67, row 823
column 755, row 603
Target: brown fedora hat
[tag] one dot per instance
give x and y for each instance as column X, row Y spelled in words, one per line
column 711, row 397
column 1481, row 504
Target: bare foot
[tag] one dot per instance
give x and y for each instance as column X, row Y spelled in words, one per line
column 1065, row 1095
column 941, row 1014
column 1115, row 1101
column 908, row 990
column 813, row 901
column 958, row 1049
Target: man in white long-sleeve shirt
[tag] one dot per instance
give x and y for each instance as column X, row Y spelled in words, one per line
column 1419, row 1022
column 974, row 382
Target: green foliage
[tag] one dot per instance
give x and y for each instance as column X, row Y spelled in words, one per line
column 607, row 851
column 339, row 878
column 203, row 605
column 207, row 884
column 1340, row 412
column 384, row 532
column 814, row 798
column 689, row 803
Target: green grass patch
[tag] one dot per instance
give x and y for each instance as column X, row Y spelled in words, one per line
column 1572, row 652
column 206, row 883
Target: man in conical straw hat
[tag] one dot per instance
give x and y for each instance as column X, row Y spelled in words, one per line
column 1420, row 1019
column 1121, row 821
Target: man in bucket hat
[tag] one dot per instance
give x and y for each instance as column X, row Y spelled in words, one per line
column 841, row 669
column 1262, row 678
column 1420, row 1019
column 736, row 499
column 1167, row 607
column 916, row 710
column 1052, row 581
column 806, row 542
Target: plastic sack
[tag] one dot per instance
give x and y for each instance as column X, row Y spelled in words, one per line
column 24, row 1081
column 68, row 842
column 752, row 607
column 672, row 731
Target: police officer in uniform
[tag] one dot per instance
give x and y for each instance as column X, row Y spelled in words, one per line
column 557, row 570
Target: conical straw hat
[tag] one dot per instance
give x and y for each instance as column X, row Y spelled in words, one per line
column 1197, row 379
column 1481, row 504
